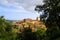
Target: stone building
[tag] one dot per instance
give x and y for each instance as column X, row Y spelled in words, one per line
column 33, row 24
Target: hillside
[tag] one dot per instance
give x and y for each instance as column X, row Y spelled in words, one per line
column 33, row 24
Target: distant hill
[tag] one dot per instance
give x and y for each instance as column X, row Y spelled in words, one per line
column 10, row 20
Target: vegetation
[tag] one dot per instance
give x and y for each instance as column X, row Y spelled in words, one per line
column 10, row 32
column 51, row 17
column 6, row 30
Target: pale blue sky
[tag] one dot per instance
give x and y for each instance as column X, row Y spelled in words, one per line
column 12, row 10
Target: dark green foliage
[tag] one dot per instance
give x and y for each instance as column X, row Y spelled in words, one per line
column 6, row 30
column 27, row 34
column 51, row 7
column 41, row 34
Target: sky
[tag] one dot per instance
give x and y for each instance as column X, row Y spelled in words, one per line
column 19, row 9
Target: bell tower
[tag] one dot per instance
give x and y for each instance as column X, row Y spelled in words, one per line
column 38, row 17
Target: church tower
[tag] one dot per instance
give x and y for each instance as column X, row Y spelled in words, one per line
column 38, row 19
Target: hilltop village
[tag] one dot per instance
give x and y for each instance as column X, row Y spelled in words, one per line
column 28, row 22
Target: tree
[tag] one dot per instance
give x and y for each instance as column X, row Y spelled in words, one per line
column 6, row 30
column 51, row 9
column 27, row 34
column 41, row 34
